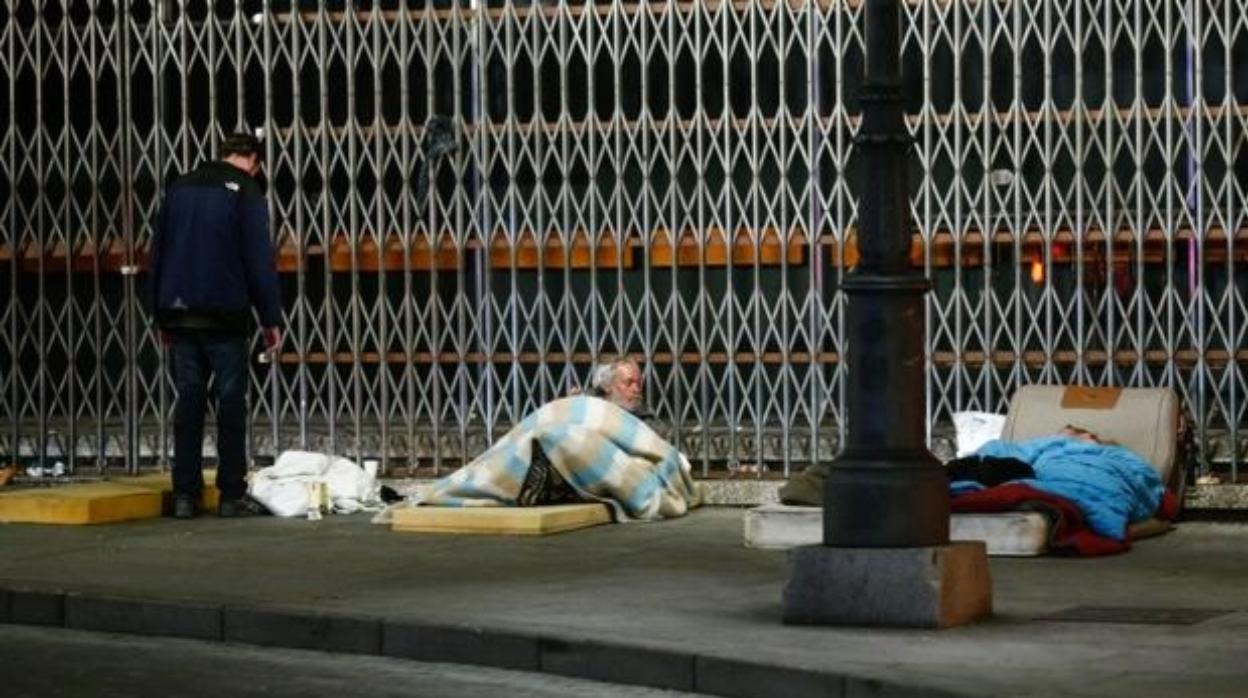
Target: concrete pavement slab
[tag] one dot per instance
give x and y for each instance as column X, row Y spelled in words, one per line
column 686, row 587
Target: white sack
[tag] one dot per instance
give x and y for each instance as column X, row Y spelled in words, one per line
column 284, row 487
column 976, row 429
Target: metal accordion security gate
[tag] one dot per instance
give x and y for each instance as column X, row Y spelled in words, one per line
column 673, row 180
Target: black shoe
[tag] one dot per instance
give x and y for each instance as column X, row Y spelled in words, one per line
column 238, row 508
column 184, row 507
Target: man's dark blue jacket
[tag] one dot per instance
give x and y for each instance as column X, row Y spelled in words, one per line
column 211, row 258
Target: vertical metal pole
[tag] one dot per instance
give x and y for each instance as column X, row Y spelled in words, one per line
column 12, row 238
column 299, row 230
column 406, row 234
column 41, row 246
column 351, row 131
column 68, row 452
column 328, row 234
column 270, row 133
column 812, row 220
column 886, row 489
column 381, row 231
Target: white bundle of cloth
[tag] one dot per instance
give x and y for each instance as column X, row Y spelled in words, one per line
column 974, row 429
column 286, row 488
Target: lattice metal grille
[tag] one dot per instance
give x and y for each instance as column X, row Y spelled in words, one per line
column 669, row 179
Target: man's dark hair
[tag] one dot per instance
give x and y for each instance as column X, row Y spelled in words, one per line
column 243, row 144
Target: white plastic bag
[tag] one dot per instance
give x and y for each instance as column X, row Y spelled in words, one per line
column 975, row 429
column 283, row 487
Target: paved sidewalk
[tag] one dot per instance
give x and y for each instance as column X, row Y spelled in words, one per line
column 679, row 604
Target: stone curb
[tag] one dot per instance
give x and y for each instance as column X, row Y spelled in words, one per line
column 118, row 615
column 578, row 658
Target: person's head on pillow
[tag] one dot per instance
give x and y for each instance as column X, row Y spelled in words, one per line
column 1086, row 435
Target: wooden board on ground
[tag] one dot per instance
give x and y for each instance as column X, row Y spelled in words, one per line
column 82, row 503
column 515, row 521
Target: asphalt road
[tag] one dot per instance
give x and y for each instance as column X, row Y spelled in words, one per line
column 57, row 663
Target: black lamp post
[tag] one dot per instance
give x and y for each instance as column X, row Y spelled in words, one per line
column 885, row 489
column 886, row 558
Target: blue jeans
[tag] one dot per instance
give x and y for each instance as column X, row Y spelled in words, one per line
column 196, row 356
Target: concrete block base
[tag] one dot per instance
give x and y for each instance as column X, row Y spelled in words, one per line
column 931, row 587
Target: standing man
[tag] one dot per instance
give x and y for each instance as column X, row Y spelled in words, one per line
column 211, row 263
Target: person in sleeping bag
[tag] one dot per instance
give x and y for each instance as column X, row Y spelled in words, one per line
column 1111, row 485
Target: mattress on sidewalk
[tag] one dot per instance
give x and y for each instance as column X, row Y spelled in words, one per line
column 1144, row 420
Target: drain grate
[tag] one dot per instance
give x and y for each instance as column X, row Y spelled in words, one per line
column 1135, row 614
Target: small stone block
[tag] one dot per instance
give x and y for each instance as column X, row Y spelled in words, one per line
column 737, row 679
column 615, row 664
column 302, row 631
column 520, row 521
column 928, row 587
column 36, row 607
column 460, row 646
column 114, row 615
column 81, row 503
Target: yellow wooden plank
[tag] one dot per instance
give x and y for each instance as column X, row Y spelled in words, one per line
column 518, row 521
column 163, row 483
column 77, row 504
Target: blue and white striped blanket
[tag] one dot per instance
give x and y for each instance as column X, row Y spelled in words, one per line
column 604, row 452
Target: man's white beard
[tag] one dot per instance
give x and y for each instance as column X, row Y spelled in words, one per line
column 634, row 406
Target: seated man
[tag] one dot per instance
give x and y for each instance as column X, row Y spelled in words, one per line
column 618, row 381
column 590, row 446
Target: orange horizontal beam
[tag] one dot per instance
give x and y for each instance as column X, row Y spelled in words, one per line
column 708, row 248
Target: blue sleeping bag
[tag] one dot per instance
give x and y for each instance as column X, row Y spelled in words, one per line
column 1111, row 485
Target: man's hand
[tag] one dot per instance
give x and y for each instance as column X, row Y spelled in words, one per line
column 272, row 340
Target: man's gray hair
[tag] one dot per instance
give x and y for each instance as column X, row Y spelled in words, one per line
column 600, row 378
column 602, row 375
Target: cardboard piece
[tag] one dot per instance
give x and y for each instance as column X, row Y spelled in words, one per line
column 84, row 503
column 1088, row 398
column 515, row 521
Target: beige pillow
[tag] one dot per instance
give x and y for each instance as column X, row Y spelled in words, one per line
column 1144, row 420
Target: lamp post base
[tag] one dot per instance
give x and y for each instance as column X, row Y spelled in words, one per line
column 927, row 587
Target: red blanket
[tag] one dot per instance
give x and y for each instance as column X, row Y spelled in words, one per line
column 1068, row 530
